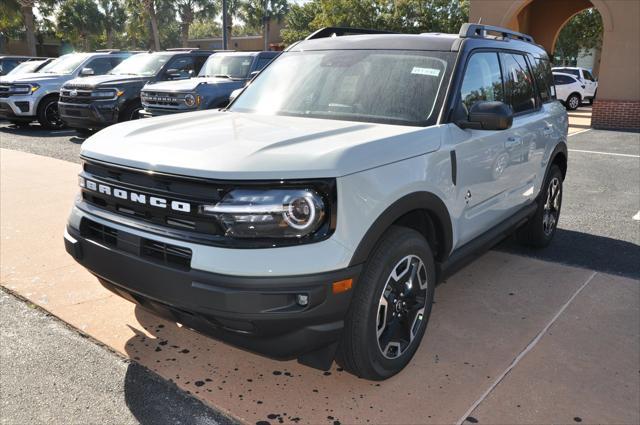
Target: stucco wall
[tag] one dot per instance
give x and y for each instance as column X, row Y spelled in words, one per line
column 619, row 73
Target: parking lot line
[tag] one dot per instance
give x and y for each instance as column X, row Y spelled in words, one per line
column 605, row 153
column 578, row 132
column 524, row 352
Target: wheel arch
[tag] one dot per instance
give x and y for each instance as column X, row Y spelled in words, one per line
column 421, row 211
column 558, row 157
column 44, row 98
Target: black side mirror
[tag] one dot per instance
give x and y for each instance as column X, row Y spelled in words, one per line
column 488, row 115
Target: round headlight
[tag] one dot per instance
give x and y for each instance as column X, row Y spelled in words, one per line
column 300, row 212
column 190, row 100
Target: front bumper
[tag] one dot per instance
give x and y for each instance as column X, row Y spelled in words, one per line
column 98, row 114
column 260, row 314
column 18, row 107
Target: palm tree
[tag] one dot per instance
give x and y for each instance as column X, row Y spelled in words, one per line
column 260, row 13
column 188, row 10
column 114, row 18
column 150, row 7
column 26, row 9
column 80, row 19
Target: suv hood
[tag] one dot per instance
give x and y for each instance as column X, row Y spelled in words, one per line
column 233, row 145
column 188, row 85
column 30, row 77
column 97, row 80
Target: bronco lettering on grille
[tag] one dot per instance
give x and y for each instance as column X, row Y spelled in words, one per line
column 136, row 197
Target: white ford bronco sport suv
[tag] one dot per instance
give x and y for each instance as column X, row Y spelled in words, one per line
column 313, row 217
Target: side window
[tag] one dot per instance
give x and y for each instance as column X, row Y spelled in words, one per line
column 262, row 62
column 544, row 79
column 587, row 75
column 482, row 79
column 115, row 61
column 518, row 83
column 100, row 65
column 561, row 80
column 184, row 65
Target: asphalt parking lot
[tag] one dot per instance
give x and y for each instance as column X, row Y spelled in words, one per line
column 518, row 336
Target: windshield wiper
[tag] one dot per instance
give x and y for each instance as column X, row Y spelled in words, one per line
column 223, row 76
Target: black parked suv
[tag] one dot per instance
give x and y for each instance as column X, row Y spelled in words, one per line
column 92, row 103
column 222, row 74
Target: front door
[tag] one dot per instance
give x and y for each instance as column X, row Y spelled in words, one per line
column 485, row 158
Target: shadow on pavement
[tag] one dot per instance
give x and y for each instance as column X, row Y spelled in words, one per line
column 152, row 399
column 36, row 130
column 585, row 250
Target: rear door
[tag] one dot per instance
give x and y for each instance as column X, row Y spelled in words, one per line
column 528, row 131
column 590, row 83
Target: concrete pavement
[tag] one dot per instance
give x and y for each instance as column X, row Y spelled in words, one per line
column 477, row 353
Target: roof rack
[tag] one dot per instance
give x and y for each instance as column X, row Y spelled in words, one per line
column 187, row 49
column 342, row 31
column 108, row 51
column 480, row 31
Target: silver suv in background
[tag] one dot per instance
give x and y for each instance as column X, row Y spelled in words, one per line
column 34, row 96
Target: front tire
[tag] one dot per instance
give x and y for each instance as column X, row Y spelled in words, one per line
column 541, row 228
column 390, row 307
column 48, row 115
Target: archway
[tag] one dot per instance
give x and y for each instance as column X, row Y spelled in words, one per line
column 618, row 102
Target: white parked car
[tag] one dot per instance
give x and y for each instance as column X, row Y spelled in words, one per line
column 585, row 77
column 569, row 90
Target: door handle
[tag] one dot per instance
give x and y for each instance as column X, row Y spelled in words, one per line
column 512, row 142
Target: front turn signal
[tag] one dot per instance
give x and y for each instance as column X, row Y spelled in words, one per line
column 342, row 286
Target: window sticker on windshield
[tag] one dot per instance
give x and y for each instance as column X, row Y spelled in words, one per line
column 425, row 71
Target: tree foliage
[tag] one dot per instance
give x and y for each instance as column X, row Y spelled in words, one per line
column 79, row 21
column 582, row 32
column 411, row 16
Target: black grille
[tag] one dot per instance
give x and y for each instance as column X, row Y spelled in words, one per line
column 99, row 233
column 169, row 255
column 165, row 253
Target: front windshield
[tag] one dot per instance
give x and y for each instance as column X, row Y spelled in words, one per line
column 143, row 64
column 65, row 64
column 231, row 66
column 25, row 67
column 383, row 86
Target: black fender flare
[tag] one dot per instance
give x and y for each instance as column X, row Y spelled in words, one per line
column 414, row 201
column 560, row 149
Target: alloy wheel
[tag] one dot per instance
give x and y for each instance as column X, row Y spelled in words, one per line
column 52, row 115
column 551, row 206
column 401, row 307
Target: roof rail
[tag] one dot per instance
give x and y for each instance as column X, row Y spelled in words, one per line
column 342, row 31
column 108, row 51
column 480, row 31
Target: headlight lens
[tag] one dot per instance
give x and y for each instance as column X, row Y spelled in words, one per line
column 24, row 89
column 270, row 213
column 191, row 100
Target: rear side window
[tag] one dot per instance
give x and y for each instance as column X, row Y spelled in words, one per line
column 561, row 80
column 544, row 78
column 482, row 79
column 518, row 83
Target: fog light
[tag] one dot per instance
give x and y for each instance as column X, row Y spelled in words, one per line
column 302, row 299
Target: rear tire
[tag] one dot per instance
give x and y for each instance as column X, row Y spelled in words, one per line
column 573, row 101
column 48, row 115
column 390, row 308
column 541, row 228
